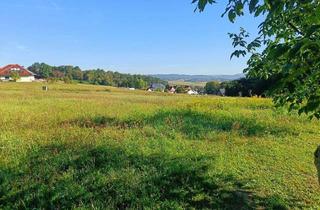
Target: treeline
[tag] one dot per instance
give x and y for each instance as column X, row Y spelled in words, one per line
column 70, row 73
column 245, row 87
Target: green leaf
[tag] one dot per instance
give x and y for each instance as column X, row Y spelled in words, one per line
column 239, row 8
column 258, row 11
column 202, row 4
column 253, row 5
column 232, row 15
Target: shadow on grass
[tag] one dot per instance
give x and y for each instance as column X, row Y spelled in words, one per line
column 65, row 177
column 317, row 161
column 189, row 123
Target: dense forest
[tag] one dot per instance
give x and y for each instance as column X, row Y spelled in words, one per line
column 245, row 87
column 70, row 73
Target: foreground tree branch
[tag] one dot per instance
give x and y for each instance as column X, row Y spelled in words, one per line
column 290, row 50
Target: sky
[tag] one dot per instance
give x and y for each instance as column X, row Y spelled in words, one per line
column 129, row 36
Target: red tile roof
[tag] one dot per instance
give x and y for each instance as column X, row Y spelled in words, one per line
column 5, row 71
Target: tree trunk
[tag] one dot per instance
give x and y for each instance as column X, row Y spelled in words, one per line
column 317, row 161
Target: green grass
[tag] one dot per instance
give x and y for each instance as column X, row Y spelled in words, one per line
column 183, row 83
column 96, row 147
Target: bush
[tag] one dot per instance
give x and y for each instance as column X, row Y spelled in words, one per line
column 181, row 89
column 212, row 87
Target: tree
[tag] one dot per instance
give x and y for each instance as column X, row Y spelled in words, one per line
column 35, row 68
column 181, row 89
column 15, row 76
column 289, row 44
column 58, row 74
column 77, row 74
column 247, row 86
column 232, row 87
column 68, row 73
column 286, row 49
column 212, row 87
column 140, row 84
column 41, row 69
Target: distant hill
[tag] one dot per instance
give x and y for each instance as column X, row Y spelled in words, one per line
column 197, row 78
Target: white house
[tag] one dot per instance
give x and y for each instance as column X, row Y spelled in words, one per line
column 172, row 90
column 25, row 75
column 192, row 92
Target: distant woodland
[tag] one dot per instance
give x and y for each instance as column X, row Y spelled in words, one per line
column 69, row 73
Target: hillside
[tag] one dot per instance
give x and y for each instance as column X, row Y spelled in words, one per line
column 197, row 78
column 99, row 147
column 69, row 73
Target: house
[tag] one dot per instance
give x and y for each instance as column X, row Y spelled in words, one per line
column 24, row 74
column 172, row 90
column 192, row 92
column 157, row 87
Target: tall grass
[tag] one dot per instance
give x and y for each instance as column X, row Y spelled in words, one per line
column 95, row 147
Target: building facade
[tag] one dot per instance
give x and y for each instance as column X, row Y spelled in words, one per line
column 6, row 73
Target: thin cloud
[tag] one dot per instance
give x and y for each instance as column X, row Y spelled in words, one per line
column 53, row 4
column 37, row 4
column 21, row 47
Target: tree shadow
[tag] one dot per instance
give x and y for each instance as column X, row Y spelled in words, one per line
column 317, row 161
column 195, row 124
column 189, row 123
column 65, row 177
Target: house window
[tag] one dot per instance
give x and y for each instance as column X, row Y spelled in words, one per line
column 15, row 69
column 6, row 77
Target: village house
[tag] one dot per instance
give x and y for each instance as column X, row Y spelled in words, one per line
column 24, row 74
column 157, row 87
column 192, row 92
column 172, row 89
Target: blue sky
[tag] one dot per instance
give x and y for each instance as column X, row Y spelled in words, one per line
column 133, row 36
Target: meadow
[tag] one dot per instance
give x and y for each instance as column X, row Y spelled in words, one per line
column 98, row 147
column 184, row 83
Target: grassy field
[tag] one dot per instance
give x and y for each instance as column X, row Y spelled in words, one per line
column 95, row 147
column 183, row 83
